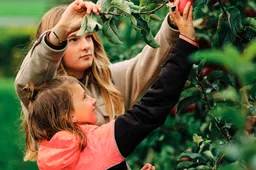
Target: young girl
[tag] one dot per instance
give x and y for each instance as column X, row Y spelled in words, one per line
column 117, row 87
column 62, row 116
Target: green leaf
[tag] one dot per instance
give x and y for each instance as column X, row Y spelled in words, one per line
column 187, row 101
column 89, row 24
column 227, row 94
column 141, row 23
column 223, row 34
column 143, row 3
column 83, row 26
column 221, row 76
column 250, row 21
column 252, row 92
column 250, row 52
column 154, row 17
column 109, row 30
column 149, row 39
column 234, row 20
column 249, row 153
column 193, row 91
column 145, row 17
column 121, row 5
column 212, row 56
column 184, row 165
column 230, row 115
column 233, row 151
column 197, row 139
column 200, row 10
column 209, row 154
column 252, row 5
column 134, row 8
column 106, row 5
column 133, row 20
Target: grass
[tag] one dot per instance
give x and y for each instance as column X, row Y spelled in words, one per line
column 24, row 8
column 12, row 138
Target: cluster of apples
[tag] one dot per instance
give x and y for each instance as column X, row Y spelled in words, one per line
column 249, row 12
column 251, row 124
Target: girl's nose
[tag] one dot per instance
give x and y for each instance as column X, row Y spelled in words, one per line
column 93, row 100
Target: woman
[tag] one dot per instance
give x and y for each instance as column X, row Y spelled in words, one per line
column 116, row 87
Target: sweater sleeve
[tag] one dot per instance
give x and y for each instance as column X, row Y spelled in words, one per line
column 40, row 64
column 134, row 126
column 133, row 77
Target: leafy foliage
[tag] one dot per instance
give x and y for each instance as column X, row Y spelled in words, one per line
column 113, row 10
column 213, row 124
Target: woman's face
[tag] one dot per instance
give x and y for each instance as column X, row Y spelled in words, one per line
column 79, row 54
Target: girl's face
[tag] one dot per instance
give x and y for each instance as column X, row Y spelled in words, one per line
column 84, row 106
column 79, row 54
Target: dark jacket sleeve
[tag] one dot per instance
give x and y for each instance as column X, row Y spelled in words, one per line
column 136, row 124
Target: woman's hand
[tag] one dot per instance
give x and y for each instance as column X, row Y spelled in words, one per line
column 184, row 22
column 148, row 167
column 71, row 18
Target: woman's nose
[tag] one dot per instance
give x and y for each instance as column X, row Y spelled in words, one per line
column 84, row 45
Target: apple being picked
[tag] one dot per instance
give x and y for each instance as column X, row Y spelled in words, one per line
column 182, row 4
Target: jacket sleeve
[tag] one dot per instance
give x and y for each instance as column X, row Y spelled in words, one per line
column 40, row 64
column 133, row 77
column 134, row 126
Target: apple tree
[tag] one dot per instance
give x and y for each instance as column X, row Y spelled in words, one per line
column 213, row 124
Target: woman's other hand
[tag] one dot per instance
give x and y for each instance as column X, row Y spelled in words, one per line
column 184, row 22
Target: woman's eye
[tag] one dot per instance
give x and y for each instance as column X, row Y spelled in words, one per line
column 88, row 37
column 72, row 40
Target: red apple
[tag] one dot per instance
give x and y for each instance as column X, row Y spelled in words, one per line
column 173, row 111
column 190, row 108
column 212, row 2
column 249, row 12
column 182, row 4
column 185, row 159
column 208, row 69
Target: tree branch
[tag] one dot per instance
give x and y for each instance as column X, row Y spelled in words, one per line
column 144, row 12
column 154, row 10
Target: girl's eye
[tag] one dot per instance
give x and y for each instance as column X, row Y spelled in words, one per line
column 85, row 96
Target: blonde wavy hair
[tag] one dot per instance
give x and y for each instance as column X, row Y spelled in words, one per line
column 99, row 73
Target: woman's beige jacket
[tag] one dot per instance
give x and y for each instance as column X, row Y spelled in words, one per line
column 132, row 77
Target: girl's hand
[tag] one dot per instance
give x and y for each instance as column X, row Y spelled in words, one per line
column 148, row 167
column 184, row 22
column 71, row 18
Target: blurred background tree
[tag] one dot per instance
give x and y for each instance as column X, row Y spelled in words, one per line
column 207, row 129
